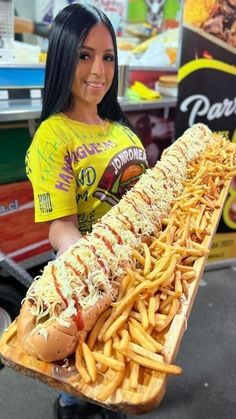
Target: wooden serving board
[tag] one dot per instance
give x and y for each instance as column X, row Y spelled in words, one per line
column 148, row 393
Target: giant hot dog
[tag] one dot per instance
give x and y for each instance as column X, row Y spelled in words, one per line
column 64, row 303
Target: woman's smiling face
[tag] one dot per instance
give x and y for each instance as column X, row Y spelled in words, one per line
column 95, row 69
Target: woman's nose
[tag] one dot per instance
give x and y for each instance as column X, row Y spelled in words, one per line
column 98, row 66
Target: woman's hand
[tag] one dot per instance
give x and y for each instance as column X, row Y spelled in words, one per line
column 64, row 232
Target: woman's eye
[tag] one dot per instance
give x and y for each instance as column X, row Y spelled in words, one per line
column 109, row 58
column 84, row 56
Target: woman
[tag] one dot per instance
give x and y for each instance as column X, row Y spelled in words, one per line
column 84, row 155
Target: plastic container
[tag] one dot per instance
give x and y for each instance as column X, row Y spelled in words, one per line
column 26, row 53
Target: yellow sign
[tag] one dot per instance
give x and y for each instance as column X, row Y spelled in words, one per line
column 223, row 247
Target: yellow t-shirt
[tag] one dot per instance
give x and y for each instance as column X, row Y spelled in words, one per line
column 76, row 168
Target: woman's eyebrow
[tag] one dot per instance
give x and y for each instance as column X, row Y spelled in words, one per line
column 92, row 49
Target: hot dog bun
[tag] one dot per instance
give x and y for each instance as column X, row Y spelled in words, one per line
column 53, row 341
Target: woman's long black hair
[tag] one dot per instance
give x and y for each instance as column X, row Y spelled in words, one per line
column 68, row 32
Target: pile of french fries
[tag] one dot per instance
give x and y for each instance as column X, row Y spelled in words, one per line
column 125, row 346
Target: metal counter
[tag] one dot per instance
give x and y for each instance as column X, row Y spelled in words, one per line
column 20, row 110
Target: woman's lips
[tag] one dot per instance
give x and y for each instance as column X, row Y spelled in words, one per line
column 95, row 85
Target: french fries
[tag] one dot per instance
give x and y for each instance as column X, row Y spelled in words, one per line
column 134, row 374
column 137, row 336
column 96, row 328
column 111, row 386
column 114, row 327
column 153, row 364
column 107, row 351
column 151, row 310
column 140, row 350
column 90, row 362
column 81, row 368
column 124, row 342
column 127, row 343
column 143, row 313
column 109, row 361
column 147, row 263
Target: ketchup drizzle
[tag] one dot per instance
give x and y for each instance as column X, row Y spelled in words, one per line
column 148, row 198
column 78, row 319
column 105, row 241
column 100, row 261
column 164, row 173
column 58, row 287
column 181, row 150
column 133, row 205
column 67, row 264
column 145, row 200
column 114, row 232
column 83, row 264
column 127, row 220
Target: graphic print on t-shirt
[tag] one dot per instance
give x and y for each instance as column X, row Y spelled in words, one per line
column 122, row 172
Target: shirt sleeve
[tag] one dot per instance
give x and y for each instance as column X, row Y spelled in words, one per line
column 48, row 167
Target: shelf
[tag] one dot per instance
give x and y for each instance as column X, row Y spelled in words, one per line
column 24, row 109
column 156, row 69
column 162, row 103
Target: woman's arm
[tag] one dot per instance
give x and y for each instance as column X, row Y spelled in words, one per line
column 64, row 232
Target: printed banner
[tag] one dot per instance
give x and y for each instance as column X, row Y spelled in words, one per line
column 206, row 90
column 21, row 238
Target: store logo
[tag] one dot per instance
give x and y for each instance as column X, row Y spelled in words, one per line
column 201, row 106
